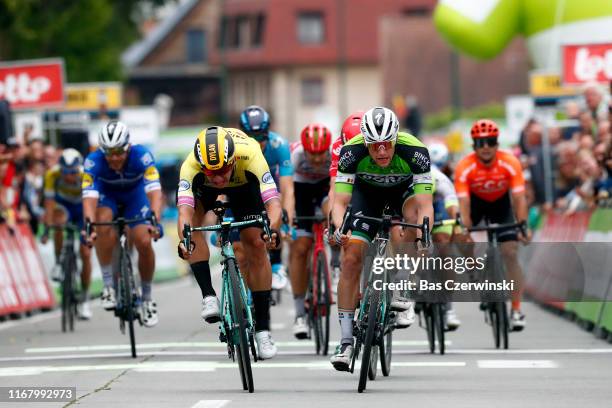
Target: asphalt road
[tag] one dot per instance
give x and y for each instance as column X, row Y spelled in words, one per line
column 553, row 363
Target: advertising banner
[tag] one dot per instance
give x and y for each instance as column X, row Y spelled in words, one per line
column 33, row 84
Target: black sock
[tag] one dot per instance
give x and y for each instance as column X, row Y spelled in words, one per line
column 261, row 301
column 201, row 271
column 275, row 256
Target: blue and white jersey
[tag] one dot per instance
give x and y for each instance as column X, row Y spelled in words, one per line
column 139, row 171
column 278, row 155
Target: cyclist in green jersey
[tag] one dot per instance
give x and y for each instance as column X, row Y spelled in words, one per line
column 378, row 168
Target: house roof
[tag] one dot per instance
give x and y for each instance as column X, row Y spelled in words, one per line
column 137, row 52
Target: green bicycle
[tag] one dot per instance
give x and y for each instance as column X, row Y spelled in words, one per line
column 373, row 329
column 237, row 328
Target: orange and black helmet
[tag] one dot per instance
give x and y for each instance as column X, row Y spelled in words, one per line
column 484, row 128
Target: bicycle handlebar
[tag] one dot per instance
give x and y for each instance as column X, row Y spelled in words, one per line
column 496, row 227
column 261, row 220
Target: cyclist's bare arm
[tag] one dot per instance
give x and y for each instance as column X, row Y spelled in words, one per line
column 89, row 208
column 155, row 199
column 464, row 211
column 273, row 208
column 287, row 196
column 185, row 216
column 422, row 207
column 341, row 202
column 519, row 202
column 49, row 205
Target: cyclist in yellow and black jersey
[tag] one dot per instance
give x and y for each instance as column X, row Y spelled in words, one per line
column 63, row 203
column 226, row 161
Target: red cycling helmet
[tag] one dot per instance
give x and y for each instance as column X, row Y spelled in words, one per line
column 316, row 138
column 484, row 128
column 351, row 126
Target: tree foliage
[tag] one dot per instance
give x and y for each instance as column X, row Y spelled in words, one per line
column 89, row 34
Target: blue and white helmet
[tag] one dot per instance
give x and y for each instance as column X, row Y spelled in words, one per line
column 438, row 153
column 70, row 159
column 114, row 135
column 379, row 124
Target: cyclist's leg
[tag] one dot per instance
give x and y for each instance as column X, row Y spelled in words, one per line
column 205, row 198
column 106, row 238
column 246, row 203
column 365, row 201
column 136, row 204
column 500, row 212
column 59, row 217
column 300, row 249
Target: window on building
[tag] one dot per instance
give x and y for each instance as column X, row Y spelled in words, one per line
column 258, row 32
column 417, row 11
column 312, row 91
column 310, row 28
column 222, row 36
column 243, row 24
column 196, row 45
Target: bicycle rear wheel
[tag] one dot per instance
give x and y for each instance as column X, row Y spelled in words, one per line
column 68, row 307
column 127, row 294
column 368, row 341
column 438, row 311
column 504, row 324
column 385, row 347
column 323, row 304
column 495, row 323
column 239, row 320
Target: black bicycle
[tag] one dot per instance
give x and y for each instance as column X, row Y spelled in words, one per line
column 319, row 297
column 496, row 311
column 68, row 264
column 432, row 314
column 128, row 297
column 237, row 326
column 373, row 329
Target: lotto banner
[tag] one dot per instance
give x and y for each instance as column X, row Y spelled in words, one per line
column 23, row 282
column 33, row 84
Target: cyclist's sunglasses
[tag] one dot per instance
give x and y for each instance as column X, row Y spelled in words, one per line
column 222, row 171
column 68, row 170
column 260, row 136
column 115, row 151
column 381, row 145
column 487, row 141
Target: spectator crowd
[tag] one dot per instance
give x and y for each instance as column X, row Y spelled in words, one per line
column 581, row 155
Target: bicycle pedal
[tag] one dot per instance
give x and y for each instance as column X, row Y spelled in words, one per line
column 222, row 338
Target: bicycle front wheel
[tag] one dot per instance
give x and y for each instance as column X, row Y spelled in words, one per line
column 430, row 326
column 239, row 327
column 128, row 301
column 323, row 305
column 68, row 307
column 368, row 341
column 438, row 312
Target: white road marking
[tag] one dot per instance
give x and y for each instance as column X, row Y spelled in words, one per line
column 517, row 364
column 281, row 352
column 211, row 344
column 401, row 364
column 210, row 404
column 278, row 326
column 197, row 366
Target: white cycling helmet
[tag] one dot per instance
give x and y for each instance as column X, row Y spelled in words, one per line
column 70, row 159
column 438, row 153
column 379, row 124
column 114, row 135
